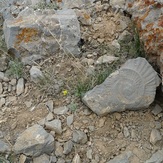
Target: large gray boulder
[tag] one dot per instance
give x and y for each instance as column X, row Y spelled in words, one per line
column 34, row 141
column 132, row 87
column 43, row 32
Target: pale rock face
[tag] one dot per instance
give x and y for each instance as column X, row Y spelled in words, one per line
column 132, row 87
column 38, row 33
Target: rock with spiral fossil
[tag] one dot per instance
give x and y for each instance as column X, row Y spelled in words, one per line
column 132, row 87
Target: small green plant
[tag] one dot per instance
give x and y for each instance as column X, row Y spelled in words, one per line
column 49, row 84
column 3, row 46
column 134, row 48
column 139, row 47
column 43, row 5
column 2, row 160
column 10, row 159
column 15, row 68
column 72, row 106
column 82, row 87
column 91, row 81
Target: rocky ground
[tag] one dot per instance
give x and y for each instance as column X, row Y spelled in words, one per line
column 45, row 99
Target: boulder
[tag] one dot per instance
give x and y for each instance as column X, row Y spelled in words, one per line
column 34, row 141
column 131, row 87
column 42, row 32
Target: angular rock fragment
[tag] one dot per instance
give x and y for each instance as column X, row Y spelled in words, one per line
column 34, row 141
column 123, row 158
column 132, row 87
column 35, row 74
column 155, row 136
column 54, row 125
column 20, row 86
column 60, row 110
column 2, row 101
column 157, row 109
column 89, row 154
column 76, row 159
column 49, row 105
column 22, row 158
column 70, row 119
column 1, row 88
column 42, row 159
column 106, row 59
column 68, row 147
column 79, row 137
column 126, row 132
column 59, row 150
column 49, row 117
column 53, row 159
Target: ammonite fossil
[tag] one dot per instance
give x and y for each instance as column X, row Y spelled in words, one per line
column 132, row 87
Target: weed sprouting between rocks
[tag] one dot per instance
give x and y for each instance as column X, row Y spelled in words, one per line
column 85, row 84
column 135, row 47
column 15, row 69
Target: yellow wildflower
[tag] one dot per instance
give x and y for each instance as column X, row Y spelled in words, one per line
column 65, row 92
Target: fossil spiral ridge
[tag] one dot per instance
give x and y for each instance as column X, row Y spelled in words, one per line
column 135, row 84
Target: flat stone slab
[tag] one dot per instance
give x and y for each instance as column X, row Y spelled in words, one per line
column 131, row 87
